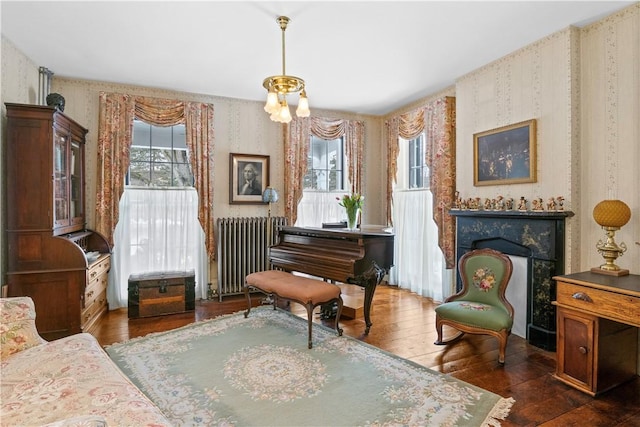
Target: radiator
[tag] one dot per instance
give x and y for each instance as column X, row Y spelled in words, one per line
column 242, row 250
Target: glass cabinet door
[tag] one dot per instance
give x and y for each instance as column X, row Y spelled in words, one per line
column 77, row 196
column 60, row 180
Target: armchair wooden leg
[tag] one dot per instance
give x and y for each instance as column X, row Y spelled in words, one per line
column 439, row 341
column 439, row 331
column 503, row 346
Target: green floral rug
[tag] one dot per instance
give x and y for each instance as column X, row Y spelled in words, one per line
column 258, row 371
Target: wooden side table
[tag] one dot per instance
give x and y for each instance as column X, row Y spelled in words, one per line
column 597, row 341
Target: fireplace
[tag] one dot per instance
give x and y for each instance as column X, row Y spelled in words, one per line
column 537, row 236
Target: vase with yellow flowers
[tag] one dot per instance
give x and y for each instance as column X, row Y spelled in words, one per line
column 352, row 203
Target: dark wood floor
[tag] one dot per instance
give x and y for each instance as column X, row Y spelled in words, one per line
column 403, row 323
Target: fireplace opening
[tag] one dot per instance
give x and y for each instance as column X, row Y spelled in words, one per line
column 520, row 282
column 516, row 294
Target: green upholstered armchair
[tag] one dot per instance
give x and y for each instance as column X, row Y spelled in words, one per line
column 480, row 307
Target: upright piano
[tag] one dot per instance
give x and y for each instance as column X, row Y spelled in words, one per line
column 360, row 257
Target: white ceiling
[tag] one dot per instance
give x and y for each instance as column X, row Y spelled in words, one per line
column 365, row 57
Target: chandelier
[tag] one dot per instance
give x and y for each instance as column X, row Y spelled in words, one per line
column 279, row 86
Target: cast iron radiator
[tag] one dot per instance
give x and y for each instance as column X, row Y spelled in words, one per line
column 242, row 250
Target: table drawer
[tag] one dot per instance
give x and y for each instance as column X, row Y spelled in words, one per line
column 603, row 303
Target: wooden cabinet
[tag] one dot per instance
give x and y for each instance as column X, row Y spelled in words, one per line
column 46, row 235
column 598, row 318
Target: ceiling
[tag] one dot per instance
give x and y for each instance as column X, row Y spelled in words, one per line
column 364, row 57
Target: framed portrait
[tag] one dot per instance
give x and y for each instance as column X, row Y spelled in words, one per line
column 248, row 178
column 506, row 155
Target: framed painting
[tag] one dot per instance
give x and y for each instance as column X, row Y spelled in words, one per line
column 506, row 155
column 248, row 178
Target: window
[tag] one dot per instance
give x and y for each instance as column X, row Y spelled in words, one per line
column 420, row 265
column 158, row 227
column 417, row 168
column 159, row 157
column 325, row 181
column 325, row 165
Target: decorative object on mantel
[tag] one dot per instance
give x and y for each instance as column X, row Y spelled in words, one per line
column 352, row 205
column 522, row 204
column 551, row 204
column 56, row 100
column 507, row 204
column 537, row 204
column 280, row 86
column 457, row 201
column 611, row 215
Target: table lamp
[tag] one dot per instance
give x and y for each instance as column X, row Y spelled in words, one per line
column 611, row 215
column 270, row 196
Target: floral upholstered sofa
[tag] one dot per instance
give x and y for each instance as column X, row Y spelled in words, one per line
column 66, row 382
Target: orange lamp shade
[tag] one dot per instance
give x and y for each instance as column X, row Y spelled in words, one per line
column 611, row 213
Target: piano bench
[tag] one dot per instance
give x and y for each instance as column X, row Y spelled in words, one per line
column 303, row 290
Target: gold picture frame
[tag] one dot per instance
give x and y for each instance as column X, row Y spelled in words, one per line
column 505, row 155
column 248, row 192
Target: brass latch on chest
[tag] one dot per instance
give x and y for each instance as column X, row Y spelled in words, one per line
column 163, row 286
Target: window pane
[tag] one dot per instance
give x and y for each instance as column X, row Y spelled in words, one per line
column 179, row 137
column 139, row 154
column 161, row 137
column 139, row 173
column 182, row 176
column 161, row 156
column 335, row 180
column 418, row 172
column 161, row 173
column 141, row 134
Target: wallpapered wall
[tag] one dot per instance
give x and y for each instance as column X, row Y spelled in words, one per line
column 582, row 86
column 536, row 82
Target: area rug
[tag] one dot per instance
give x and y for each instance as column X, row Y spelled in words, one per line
column 258, row 371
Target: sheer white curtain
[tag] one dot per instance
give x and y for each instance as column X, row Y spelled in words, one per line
column 419, row 262
column 158, row 230
column 317, row 207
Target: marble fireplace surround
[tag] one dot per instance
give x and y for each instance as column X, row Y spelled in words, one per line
column 537, row 236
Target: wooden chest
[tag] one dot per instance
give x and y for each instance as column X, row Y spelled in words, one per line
column 158, row 293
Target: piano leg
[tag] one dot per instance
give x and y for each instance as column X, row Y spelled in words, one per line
column 369, row 280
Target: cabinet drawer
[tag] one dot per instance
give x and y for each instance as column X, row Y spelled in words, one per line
column 606, row 304
column 92, row 310
column 94, row 289
column 98, row 267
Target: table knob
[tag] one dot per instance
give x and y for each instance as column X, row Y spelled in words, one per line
column 583, row 349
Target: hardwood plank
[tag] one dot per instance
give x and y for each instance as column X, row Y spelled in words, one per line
column 403, row 324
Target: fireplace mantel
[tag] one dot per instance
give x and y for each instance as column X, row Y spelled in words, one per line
column 537, row 236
